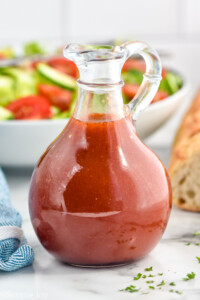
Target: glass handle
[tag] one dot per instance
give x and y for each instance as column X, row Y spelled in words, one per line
column 151, row 78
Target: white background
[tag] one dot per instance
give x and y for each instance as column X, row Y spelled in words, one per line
column 99, row 20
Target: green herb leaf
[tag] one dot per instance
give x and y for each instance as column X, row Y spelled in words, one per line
column 149, row 269
column 197, row 244
column 150, row 275
column 198, row 258
column 137, row 277
column 152, row 287
column 189, row 276
column 162, row 283
column 179, row 292
column 172, row 283
column 160, row 274
column 196, row 233
column 130, row 289
column 188, row 244
column 144, row 276
column 150, row 281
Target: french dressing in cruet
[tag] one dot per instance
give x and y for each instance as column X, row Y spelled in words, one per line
column 98, row 195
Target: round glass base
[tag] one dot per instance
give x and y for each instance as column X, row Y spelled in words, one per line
column 111, row 265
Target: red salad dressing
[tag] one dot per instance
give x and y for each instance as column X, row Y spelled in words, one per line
column 98, row 195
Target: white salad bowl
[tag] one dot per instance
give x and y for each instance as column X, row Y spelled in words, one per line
column 23, row 142
column 160, row 112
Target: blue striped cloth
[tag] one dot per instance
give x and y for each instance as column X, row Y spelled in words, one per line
column 14, row 252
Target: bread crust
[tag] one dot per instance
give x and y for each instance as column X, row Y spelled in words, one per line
column 185, row 155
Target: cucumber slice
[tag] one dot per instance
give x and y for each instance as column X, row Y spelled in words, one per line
column 7, row 93
column 25, row 81
column 56, row 77
column 172, row 82
column 5, row 114
column 164, row 86
column 55, row 111
column 62, row 115
column 132, row 76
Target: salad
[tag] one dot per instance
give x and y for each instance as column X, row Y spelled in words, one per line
column 47, row 89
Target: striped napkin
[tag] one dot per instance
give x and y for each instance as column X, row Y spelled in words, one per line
column 14, row 252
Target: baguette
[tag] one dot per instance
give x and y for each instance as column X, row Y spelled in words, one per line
column 184, row 167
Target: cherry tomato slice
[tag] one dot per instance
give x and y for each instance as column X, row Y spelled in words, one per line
column 2, row 56
column 30, row 108
column 130, row 91
column 134, row 64
column 34, row 63
column 138, row 64
column 56, row 95
column 160, row 95
column 64, row 65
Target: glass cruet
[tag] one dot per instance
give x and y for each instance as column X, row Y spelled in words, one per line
column 98, row 195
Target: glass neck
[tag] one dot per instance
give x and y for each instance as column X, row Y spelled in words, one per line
column 99, row 104
column 102, row 72
column 100, row 65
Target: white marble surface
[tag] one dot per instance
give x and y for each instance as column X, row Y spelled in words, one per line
column 50, row 279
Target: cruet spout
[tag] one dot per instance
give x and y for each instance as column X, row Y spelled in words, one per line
column 100, row 67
